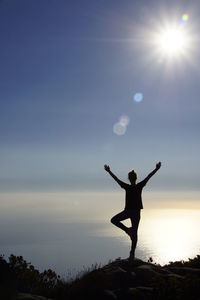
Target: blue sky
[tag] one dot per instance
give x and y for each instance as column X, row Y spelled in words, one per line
column 69, row 70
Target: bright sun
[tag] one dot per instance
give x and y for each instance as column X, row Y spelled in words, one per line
column 171, row 41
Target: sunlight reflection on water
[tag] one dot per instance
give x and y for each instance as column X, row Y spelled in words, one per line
column 164, row 234
column 65, row 235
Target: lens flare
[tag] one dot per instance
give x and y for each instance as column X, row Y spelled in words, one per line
column 138, row 97
column 119, row 129
column 124, row 120
column 185, row 17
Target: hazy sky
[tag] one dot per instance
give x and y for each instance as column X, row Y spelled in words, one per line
column 70, row 69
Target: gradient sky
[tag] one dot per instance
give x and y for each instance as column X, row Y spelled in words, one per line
column 70, row 69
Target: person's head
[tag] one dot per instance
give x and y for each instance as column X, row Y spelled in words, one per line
column 132, row 176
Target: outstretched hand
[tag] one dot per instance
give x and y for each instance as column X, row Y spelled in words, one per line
column 158, row 165
column 107, row 168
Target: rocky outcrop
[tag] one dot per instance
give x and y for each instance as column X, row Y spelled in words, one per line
column 121, row 279
column 138, row 280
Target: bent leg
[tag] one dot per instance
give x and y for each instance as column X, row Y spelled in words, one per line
column 116, row 220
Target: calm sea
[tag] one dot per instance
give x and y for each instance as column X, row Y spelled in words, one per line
column 68, row 246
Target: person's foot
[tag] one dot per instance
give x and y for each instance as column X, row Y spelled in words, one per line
column 130, row 232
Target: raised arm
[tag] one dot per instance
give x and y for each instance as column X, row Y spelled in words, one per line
column 121, row 183
column 158, row 165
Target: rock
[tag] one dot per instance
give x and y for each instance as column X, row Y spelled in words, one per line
column 145, row 274
column 23, row 296
column 120, row 280
column 175, row 276
column 142, row 292
column 133, row 293
column 109, row 295
column 136, row 262
column 161, row 270
column 185, row 270
column 137, row 293
column 153, row 268
column 117, row 277
column 125, row 264
column 145, row 267
column 145, row 289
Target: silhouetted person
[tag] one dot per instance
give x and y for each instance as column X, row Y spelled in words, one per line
column 133, row 204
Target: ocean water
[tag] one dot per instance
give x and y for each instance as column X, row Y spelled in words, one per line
column 38, row 229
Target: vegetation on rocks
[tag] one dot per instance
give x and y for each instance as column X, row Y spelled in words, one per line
column 119, row 279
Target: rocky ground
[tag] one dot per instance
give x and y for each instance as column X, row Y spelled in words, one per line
column 140, row 280
column 119, row 279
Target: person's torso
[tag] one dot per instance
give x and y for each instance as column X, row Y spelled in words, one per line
column 133, row 197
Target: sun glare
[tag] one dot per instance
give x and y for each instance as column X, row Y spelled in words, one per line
column 172, row 41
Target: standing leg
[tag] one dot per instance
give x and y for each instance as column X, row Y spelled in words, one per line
column 116, row 220
column 135, row 219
